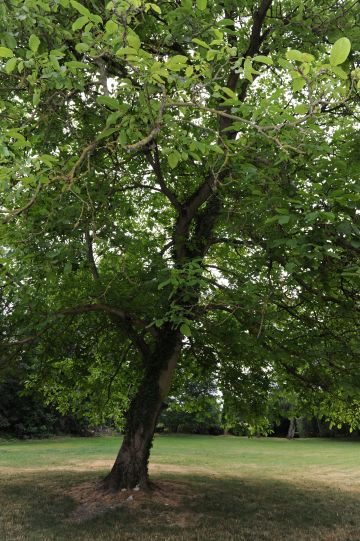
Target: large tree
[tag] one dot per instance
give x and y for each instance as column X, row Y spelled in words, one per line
column 180, row 176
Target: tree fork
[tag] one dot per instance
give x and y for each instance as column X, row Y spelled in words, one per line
column 131, row 465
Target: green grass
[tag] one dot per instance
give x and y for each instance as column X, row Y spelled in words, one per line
column 212, row 489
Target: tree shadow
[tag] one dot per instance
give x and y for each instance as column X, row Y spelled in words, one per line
column 42, row 508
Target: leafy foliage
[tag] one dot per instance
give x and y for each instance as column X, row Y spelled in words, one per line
column 24, row 415
column 181, row 175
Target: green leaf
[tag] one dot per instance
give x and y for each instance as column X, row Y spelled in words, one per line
column 96, row 19
column 229, row 92
column 10, row 65
column 18, row 136
column 301, row 109
column 201, row 43
column 298, row 84
column 226, row 22
column 112, row 103
column 179, row 58
column 176, row 63
column 156, row 8
column 80, row 22
column 113, row 117
column 298, row 56
column 82, row 47
column 263, row 59
column 293, row 54
column 340, row 51
column 311, row 217
column 122, row 139
column 217, row 149
column 6, row 53
column 34, row 43
column 285, row 63
column 185, row 329
column 164, row 284
column 67, row 268
column 284, row 219
column 248, row 70
column 106, row 133
column 10, row 41
column 111, row 27
column 187, row 4
column 173, row 159
column 308, row 57
column 290, row 267
column 74, row 64
column 134, row 41
column 48, row 159
column 125, row 51
column 339, row 72
column 201, row 4
column 80, row 8
column 36, row 97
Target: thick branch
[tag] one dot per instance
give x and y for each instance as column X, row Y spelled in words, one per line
column 253, row 48
column 256, row 38
column 188, row 213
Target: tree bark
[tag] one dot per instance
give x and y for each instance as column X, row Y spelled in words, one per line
column 291, row 430
column 131, row 465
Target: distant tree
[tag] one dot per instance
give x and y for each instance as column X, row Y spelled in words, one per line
column 194, row 408
column 178, row 182
column 23, row 414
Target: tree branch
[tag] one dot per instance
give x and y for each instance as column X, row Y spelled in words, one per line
column 124, row 317
column 154, row 160
column 253, row 48
column 156, row 129
column 16, row 212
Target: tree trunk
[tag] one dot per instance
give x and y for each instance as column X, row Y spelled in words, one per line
column 291, row 430
column 131, row 465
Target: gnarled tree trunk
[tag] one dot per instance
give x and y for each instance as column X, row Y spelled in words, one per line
column 131, row 465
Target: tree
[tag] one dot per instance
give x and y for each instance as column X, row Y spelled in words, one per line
column 180, row 177
column 194, row 405
column 23, row 415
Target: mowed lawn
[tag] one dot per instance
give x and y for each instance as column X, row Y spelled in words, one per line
column 207, row 489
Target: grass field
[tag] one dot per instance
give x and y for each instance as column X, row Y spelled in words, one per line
column 208, row 489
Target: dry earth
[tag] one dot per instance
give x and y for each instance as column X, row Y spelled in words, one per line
column 92, row 501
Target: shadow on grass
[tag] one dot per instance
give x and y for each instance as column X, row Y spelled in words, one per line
column 37, row 508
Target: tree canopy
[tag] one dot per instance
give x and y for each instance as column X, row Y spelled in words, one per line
column 179, row 185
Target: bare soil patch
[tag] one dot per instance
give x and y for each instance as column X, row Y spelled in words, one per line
column 168, row 497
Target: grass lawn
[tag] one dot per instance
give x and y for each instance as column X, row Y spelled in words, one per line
column 208, row 489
